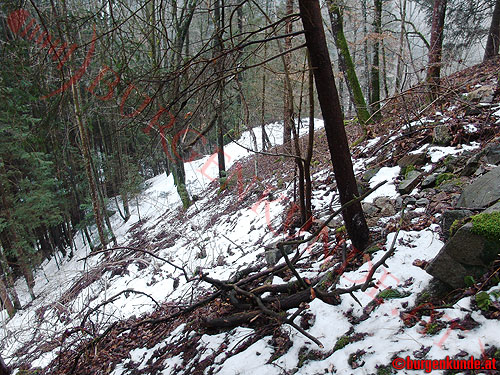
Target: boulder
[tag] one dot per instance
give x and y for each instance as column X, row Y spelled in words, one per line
column 492, row 153
column 441, row 135
column 412, row 159
column 410, row 182
column 386, row 206
column 482, row 192
column 483, row 94
column 449, row 218
column 405, row 199
column 369, row 209
column 429, row 181
column 465, row 254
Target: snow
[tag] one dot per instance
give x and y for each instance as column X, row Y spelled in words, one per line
column 388, row 174
column 235, row 240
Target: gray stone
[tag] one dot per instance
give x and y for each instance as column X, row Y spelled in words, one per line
column 429, row 181
column 412, row 159
column 369, row 209
column 482, row 192
column 273, row 254
column 367, row 176
column 441, row 135
column 465, row 254
column 363, row 186
column 494, row 208
column 422, row 202
column 447, row 270
column 406, row 199
column 386, row 206
column 471, row 165
column 492, row 153
column 483, row 94
column 410, row 182
column 449, row 218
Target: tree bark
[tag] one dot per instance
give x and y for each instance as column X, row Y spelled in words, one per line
column 287, row 108
column 494, row 34
column 5, row 300
column 435, row 51
column 4, row 370
column 354, row 218
column 345, row 62
column 375, row 71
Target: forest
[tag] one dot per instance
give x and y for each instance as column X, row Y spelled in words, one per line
column 231, row 104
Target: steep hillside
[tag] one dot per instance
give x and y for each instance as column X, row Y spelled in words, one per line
column 208, row 291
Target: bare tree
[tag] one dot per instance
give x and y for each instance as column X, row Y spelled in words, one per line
column 354, row 218
column 435, row 51
column 494, row 34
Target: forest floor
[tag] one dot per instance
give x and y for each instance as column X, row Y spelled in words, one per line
column 136, row 309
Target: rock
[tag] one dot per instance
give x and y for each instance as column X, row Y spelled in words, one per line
column 465, row 254
column 273, row 254
column 386, row 206
column 452, row 186
column 412, row 159
column 471, row 165
column 440, row 170
column 483, row 94
column 409, row 183
column 363, row 186
column 369, row 209
column 492, row 153
column 422, row 202
column 472, row 111
column 494, row 208
column 406, row 199
column 429, row 181
column 482, row 192
column 367, row 176
column 449, row 218
column 441, row 135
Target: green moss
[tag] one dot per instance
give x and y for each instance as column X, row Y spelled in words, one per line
column 341, row 343
column 372, row 249
column 340, row 229
column 483, row 301
column 406, row 170
column 444, row 177
column 457, row 224
column 306, row 354
column 384, row 370
column 487, row 225
column 390, row 293
column 433, row 328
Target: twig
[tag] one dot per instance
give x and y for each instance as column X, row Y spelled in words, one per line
column 140, row 251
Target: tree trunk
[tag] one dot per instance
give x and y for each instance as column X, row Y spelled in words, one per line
column 287, row 100
column 88, row 166
column 11, row 289
column 4, row 370
column 219, row 25
column 399, row 67
column 435, row 50
column 5, row 300
column 354, row 218
column 345, row 62
column 375, row 71
column 494, row 34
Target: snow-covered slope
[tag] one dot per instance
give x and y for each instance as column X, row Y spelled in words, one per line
column 361, row 335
